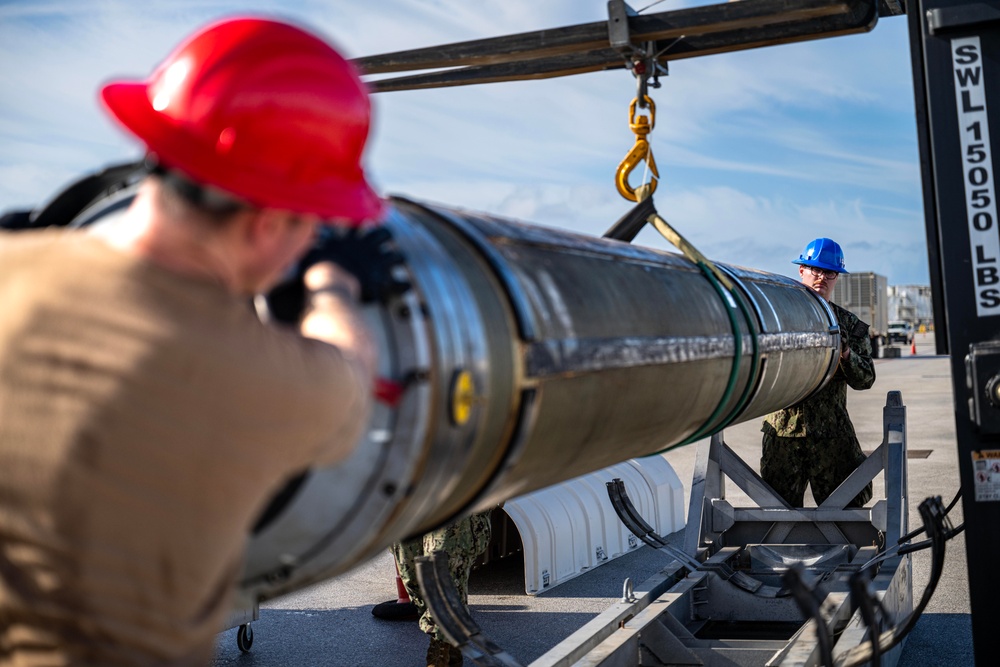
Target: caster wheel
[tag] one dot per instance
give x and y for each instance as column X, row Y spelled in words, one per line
column 244, row 638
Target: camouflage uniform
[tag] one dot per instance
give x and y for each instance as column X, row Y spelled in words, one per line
column 464, row 540
column 814, row 441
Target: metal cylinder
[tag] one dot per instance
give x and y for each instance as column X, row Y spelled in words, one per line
column 534, row 356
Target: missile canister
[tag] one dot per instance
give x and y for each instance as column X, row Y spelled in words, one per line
column 532, row 356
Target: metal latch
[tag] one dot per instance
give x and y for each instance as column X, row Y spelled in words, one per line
column 982, row 378
column 943, row 19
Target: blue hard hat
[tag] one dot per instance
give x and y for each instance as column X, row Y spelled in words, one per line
column 823, row 254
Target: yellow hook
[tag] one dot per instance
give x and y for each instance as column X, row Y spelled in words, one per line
column 641, row 127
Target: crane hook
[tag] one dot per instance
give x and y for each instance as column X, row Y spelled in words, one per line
column 641, row 127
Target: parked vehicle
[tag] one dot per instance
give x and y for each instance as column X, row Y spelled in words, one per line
column 900, row 332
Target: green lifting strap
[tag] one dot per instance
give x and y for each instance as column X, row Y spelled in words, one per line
column 731, row 299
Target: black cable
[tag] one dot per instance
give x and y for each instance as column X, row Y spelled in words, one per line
column 808, row 602
column 953, row 501
column 918, row 546
column 913, row 533
column 864, row 596
column 933, row 514
column 900, row 548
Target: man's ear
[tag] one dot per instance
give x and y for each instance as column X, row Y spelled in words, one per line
column 264, row 227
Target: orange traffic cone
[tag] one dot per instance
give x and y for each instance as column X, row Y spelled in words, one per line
column 913, row 346
column 402, row 597
column 400, row 609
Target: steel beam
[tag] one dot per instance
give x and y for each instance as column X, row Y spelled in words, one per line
column 578, row 49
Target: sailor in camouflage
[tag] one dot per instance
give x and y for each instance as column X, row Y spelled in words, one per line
column 813, row 442
column 463, row 540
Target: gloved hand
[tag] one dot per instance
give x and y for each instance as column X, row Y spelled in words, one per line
column 15, row 220
column 367, row 254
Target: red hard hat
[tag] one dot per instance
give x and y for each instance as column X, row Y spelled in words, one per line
column 260, row 109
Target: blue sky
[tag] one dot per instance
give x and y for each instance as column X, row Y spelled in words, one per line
column 758, row 151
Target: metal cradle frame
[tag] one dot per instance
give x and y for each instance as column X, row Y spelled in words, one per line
column 722, row 601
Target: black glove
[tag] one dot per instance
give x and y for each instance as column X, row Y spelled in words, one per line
column 367, row 255
column 15, row 220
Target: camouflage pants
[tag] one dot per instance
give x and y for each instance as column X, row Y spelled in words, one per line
column 464, row 540
column 788, row 464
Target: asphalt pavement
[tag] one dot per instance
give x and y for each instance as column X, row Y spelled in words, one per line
column 331, row 623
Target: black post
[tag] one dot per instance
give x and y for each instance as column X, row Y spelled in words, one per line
column 955, row 47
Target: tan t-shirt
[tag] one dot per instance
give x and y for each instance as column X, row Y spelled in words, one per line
column 145, row 418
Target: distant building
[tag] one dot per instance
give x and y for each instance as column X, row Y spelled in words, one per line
column 911, row 303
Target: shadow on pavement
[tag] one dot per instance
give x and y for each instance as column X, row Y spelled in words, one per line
column 925, row 646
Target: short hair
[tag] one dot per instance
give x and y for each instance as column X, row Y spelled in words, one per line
column 181, row 196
